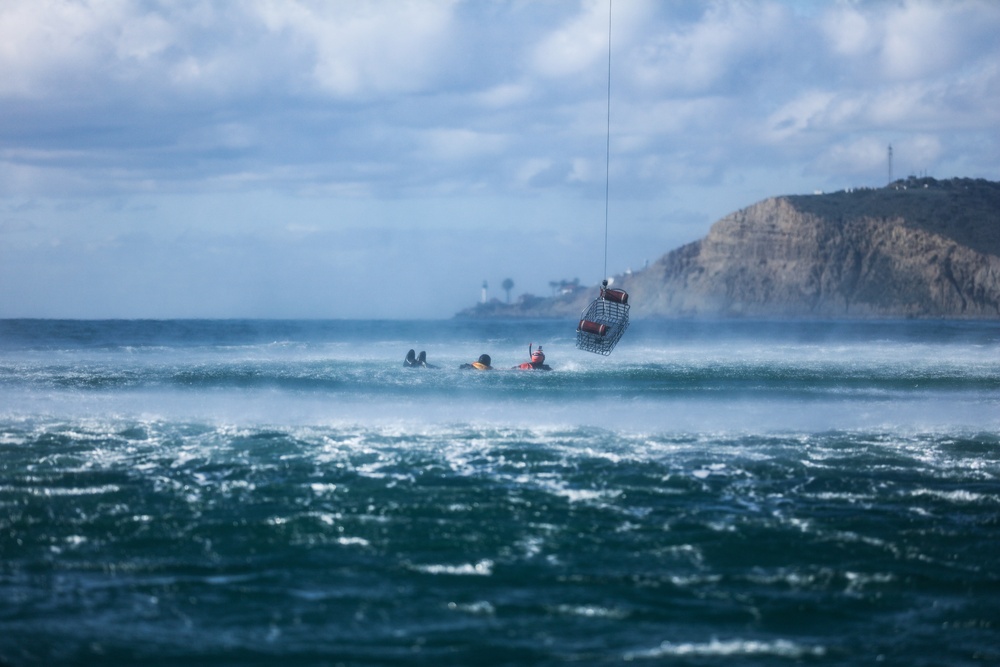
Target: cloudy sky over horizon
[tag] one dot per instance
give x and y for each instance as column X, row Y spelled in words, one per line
column 302, row 158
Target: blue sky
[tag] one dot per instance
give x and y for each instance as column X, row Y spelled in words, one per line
column 300, row 158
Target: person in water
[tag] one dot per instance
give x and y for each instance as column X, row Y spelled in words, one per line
column 537, row 361
column 483, row 364
column 416, row 361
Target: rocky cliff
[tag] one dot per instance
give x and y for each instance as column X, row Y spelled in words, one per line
column 918, row 248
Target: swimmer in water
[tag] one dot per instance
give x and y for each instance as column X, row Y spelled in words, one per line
column 537, row 362
column 482, row 364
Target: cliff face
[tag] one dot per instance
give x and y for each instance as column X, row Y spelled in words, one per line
column 775, row 259
column 922, row 248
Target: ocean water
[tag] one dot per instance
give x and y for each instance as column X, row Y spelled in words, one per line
column 286, row 493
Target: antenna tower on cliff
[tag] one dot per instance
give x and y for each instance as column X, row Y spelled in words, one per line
column 890, row 164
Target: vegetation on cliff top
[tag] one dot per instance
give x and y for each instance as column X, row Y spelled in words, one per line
column 965, row 210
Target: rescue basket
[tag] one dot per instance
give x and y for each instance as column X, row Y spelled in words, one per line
column 603, row 322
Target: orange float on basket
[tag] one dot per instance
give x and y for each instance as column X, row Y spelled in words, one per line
column 592, row 327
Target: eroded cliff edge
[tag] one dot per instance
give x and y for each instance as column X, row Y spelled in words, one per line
column 917, row 248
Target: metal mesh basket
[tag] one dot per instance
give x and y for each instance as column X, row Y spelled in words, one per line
column 603, row 322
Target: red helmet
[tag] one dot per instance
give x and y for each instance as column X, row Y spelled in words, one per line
column 537, row 356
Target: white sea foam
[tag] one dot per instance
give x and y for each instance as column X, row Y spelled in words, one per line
column 791, row 578
column 530, row 546
column 78, row 491
column 591, row 611
column 685, row 553
column 328, row 518
column 857, row 582
column 694, row 580
column 958, row 496
column 728, row 648
column 852, row 498
column 586, row 495
column 479, row 608
column 483, row 568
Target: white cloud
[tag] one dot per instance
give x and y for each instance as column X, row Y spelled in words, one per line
column 40, row 40
column 531, row 169
column 644, row 125
column 801, row 114
column 727, row 42
column 853, row 157
column 924, row 38
column 366, row 48
column 910, row 40
column 581, row 171
column 91, row 48
column 460, row 144
column 577, row 46
column 920, row 150
column 504, row 95
column 850, row 32
column 493, row 111
column 144, row 36
column 295, row 84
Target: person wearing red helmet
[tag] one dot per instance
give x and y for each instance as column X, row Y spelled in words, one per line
column 537, row 362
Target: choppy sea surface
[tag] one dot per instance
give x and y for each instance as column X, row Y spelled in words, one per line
column 286, row 493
